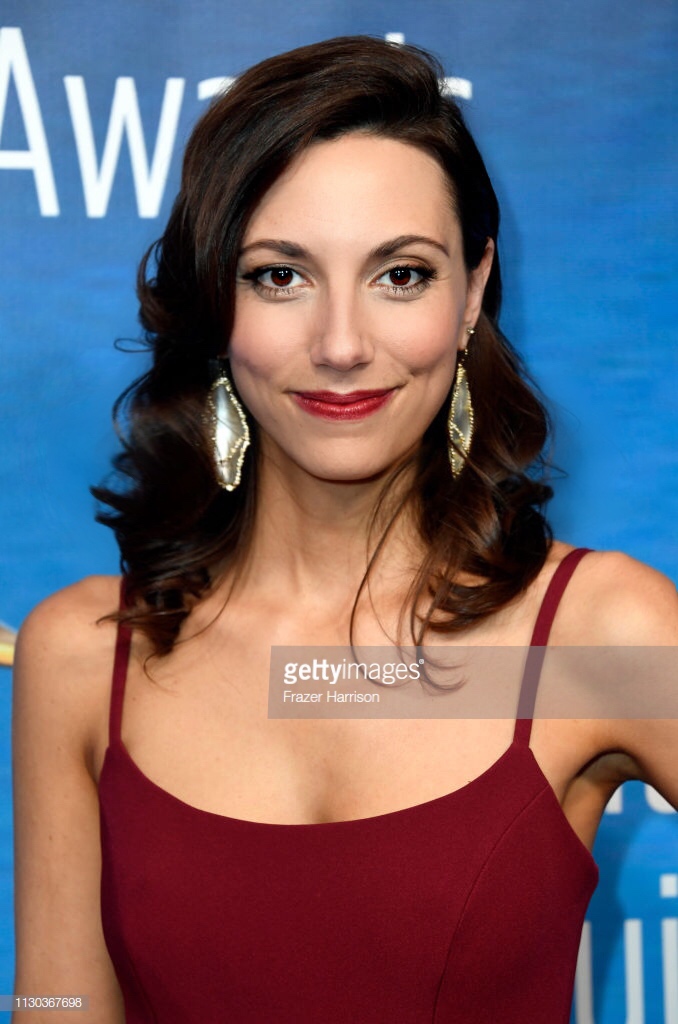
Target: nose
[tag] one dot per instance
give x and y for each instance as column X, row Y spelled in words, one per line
column 342, row 340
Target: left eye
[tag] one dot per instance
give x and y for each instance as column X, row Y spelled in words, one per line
column 402, row 277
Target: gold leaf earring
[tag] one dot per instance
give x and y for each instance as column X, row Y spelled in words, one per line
column 229, row 432
column 460, row 417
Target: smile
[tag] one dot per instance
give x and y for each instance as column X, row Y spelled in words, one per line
column 332, row 405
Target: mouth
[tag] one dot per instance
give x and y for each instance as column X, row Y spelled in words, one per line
column 333, row 405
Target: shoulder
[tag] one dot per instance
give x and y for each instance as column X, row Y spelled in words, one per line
column 71, row 622
column 64, row 659
column 613, row 599
column 616, row 602
column 59, row 725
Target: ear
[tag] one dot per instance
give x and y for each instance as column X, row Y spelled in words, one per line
column 477, row 279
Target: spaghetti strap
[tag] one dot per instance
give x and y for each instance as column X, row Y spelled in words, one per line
column 122, row 648
column 540, row 637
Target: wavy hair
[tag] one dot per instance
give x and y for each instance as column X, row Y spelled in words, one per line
column 175, row 527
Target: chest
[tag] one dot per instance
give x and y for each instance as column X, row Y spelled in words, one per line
column 396, row 917
column 200, row 729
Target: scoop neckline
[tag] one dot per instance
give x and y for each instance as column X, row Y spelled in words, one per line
column 354, row 824
column 417, row 808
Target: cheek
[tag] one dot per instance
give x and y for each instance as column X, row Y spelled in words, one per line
column 256, row 347
column 428, row 341
column 267, row 341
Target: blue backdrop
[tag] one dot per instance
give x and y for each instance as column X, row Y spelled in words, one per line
column 574, row 108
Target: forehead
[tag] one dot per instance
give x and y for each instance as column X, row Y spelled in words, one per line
column 354, row 186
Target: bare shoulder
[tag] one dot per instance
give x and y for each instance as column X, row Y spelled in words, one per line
column 62, row 683
column 613, row 599
column 64, row 657
column 71, row 623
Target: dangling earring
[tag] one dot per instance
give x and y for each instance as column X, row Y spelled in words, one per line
column 229, row 432
column 460, row 418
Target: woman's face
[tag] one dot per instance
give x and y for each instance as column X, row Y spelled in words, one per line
column 352, row 303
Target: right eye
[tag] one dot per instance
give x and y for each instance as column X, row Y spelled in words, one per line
column 277, row 280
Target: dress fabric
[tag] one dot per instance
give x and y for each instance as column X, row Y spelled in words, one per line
column 465, row 909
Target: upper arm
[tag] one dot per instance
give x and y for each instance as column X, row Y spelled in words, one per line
column 60, row 700
column 633, row 605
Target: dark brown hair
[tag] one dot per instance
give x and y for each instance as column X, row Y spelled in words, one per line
column 173, row 523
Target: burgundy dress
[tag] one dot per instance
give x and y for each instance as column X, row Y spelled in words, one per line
column 467, row 908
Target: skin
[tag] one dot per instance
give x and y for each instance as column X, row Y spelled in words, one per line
column 199, row 729
column 341, row 324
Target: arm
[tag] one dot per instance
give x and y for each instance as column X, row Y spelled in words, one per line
column 61, row 691
column 625, row 603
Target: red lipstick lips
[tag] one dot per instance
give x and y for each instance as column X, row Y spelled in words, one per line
column 332, row 405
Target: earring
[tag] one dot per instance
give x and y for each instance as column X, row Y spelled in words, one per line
column 460, row 418
column 229, row 432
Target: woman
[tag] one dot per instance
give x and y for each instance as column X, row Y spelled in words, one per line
column 335, row 443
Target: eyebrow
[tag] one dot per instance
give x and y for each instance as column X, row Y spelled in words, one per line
column 387, row 249
column 382, row 251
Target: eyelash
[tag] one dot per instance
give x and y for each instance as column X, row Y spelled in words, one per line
column 254, row 276
column 426, row 275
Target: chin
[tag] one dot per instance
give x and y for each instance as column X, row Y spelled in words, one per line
column 346, row 464
column 350, row 473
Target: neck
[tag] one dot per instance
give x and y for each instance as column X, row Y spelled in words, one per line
column 316, row 537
